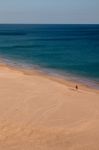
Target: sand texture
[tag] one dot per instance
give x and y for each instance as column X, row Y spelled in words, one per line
column 38, row 113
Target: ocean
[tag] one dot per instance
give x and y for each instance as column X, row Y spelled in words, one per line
column 71, row 51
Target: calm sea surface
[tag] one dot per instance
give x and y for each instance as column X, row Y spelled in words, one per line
column 69, row 50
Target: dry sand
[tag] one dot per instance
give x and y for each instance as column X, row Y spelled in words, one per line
column 40, row 113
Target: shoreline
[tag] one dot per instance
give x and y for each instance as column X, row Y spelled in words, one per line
column 86, row 82
column 56, row 78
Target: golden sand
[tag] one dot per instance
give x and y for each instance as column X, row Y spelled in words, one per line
column 38, row 112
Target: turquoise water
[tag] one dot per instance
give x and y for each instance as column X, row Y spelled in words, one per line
column 71, row 50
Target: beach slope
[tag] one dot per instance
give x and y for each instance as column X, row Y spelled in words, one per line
column 37, row 113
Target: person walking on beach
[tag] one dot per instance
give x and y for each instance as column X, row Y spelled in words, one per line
column 76, row 87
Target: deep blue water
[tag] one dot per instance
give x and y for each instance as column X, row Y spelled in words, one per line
column 66, row 49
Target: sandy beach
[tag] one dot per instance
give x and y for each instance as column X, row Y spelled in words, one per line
column 38, row 112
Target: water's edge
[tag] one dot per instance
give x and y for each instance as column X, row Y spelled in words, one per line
column 54, row 74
